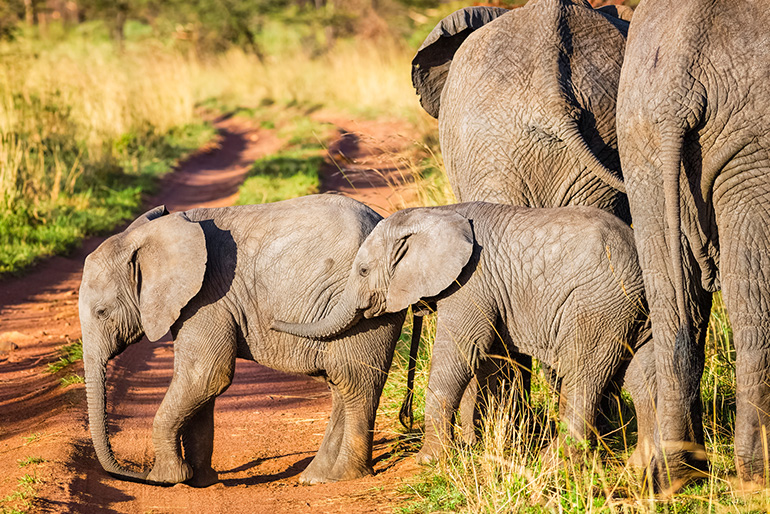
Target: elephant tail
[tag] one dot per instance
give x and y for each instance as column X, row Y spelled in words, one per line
column 406, row 416
column 577, row 144
column 671, row 158
column 96, row 371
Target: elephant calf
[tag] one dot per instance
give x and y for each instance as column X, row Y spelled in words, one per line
column 562, row 285
column 217, row 278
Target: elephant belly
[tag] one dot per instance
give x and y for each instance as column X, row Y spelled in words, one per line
column 287, row 353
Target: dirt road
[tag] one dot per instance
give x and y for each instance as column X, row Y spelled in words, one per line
column 268, row 424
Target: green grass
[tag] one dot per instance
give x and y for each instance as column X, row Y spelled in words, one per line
column 287, row 174
column 107, row 195
column 294, row 170
column 23, row 463
column 434, row 493
column 22, row 499
column 69, row 354
column 32, row 438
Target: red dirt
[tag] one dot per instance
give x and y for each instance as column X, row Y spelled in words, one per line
column 268, row 424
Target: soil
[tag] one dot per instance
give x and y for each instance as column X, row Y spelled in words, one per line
column 268, row 424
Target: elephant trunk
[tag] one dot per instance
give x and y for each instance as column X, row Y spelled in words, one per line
column 96, row 372
column 343, row 316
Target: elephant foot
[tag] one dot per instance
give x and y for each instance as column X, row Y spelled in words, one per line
column 561, row 449
column 678, row 467
column 317, row 476
column 750, row 472
column 203, row 478
column 550, row 457
column 170, row 472
column 427, row 455
column 641, row 457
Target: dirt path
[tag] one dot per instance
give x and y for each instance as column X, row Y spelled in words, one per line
column 268, row 424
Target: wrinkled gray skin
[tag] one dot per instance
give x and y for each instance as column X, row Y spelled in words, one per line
column 561, row 285
column 526, row 109
column 694, row 133
column 526, row 106
column 217, row 278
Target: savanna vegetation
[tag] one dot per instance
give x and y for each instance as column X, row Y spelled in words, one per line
column 99, row 99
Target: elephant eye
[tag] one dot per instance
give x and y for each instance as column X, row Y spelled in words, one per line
column 101, row 313
column 363, row 271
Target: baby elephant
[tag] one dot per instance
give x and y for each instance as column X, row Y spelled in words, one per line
column 216, row 278
column 562, row 285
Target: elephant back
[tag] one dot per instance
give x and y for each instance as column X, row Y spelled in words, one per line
column 528, row 109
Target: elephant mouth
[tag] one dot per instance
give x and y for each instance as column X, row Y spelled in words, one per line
column 376, row 305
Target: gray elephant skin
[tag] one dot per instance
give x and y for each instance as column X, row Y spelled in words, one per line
column 694, row 133
column 562, row 285
column 525, row 101
column 216, row 278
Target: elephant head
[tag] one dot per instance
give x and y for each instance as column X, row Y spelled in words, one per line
column 414, row 254
column 135, row 283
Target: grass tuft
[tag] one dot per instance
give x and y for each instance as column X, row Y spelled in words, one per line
column 69, row 354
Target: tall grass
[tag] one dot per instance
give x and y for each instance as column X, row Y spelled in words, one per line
column 505, row 471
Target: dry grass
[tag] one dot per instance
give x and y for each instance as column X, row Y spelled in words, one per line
column 505, row 471
column 89, row 95
column 78, row 114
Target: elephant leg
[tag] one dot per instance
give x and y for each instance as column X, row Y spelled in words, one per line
column 202, row 371
column 640, row 382
column 746, row 291
column 198, row 444
column 454, row 361
column 491, row 377
column 354, row 456
column 579, row 400
column 323, row 462
column 679, row 451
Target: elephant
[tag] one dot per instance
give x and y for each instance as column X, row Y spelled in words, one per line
column 525, row 101
column 216, row 278
column 694, row 139
column 562, row 285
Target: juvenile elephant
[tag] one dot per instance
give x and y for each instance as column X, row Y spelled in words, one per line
column 217, row 278
column 562, row 285
column 525, row 101
column 694, row 134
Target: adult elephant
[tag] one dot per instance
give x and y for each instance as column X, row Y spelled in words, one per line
column 694, row 134
column 525, row 101
column 216, row 278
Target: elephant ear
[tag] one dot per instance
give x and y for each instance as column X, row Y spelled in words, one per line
column 170, row 263
column 429, row 251
column 154, row 213
column 623, row 12
column 431, row 64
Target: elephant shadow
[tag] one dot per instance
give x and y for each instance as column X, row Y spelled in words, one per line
column 292, row 471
